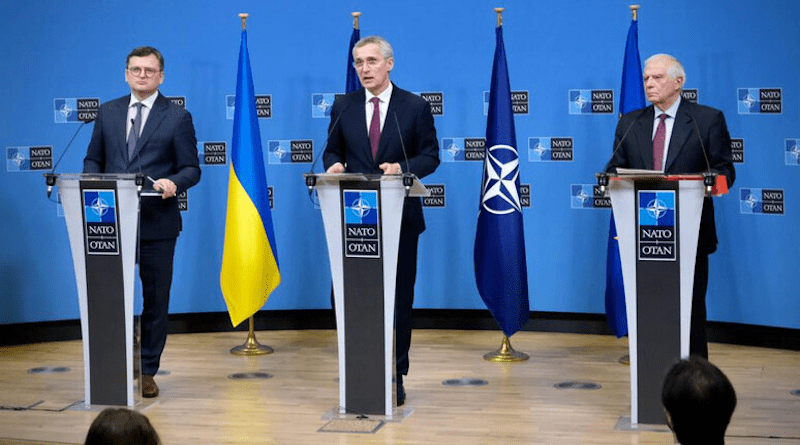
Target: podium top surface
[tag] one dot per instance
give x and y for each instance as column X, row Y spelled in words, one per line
column 96, row 176
column 417, row 188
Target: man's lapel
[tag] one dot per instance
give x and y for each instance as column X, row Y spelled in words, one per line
column 681, row 132
column 389, row 135
column 644, row 133
column 154, row 119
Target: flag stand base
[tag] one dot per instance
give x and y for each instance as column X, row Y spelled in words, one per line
column 251, row 346
column 506, row 354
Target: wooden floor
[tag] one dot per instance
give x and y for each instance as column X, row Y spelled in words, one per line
column 200, row 404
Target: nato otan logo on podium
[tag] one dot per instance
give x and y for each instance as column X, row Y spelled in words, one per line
column 100, row 216
column 657, row 225
column 68, row 110
column 361, row 234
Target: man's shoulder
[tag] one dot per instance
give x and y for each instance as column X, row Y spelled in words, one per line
column 699, row 110
column 120, row 101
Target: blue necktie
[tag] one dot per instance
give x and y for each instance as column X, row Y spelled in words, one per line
column 133, row 136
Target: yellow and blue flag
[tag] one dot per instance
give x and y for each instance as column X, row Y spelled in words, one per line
column 500, row 263
column 631, row 98
column 250, row 269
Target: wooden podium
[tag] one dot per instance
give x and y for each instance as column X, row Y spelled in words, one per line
column 102, row 215
column 658, row 223
column 362, row 216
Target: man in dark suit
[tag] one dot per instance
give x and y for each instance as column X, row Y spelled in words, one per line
column 694, row 139
column 145, row 133
column 365, row 141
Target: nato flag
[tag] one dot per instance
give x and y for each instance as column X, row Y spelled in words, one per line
column 500, row 265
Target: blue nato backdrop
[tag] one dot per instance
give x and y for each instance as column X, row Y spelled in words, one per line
column 565, row 67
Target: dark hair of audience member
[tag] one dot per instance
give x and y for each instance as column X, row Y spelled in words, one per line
column 699, row 401
column 121, row 426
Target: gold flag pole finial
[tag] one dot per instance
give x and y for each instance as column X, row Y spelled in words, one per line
column 244, row 16
column 634, row 10
column 499, row 12
column 251, row 346
column 355, row 15
column 506, row 353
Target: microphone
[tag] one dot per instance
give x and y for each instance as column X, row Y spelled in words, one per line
column 602, row 178
column 50, row 178
column 408, row 178
column 708, row 177
column 311, row 178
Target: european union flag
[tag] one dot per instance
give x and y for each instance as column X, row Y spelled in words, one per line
column 631, row 97
column 352, row 77
column 500, row 265
column 249, row 259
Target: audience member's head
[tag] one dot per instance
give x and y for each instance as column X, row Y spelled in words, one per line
column 121, row 426
column 699, row 401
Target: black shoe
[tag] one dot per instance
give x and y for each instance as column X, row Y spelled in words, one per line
column 401, row 392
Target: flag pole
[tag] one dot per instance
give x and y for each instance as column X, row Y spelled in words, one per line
column 626, row 359
column 251, row 346
column 634, row 9
column 505, row 354
column 355, row 15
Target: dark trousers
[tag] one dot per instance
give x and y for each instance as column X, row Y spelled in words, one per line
column 697, row 332
column 404, row 296
column 155, row 271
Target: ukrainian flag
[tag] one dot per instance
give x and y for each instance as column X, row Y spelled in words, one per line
column 250, row 269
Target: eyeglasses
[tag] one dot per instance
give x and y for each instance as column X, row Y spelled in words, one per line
column 370, row 62
column 139, row 71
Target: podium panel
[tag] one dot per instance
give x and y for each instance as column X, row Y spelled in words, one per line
column 102, row 212
column 658, row 222
column 362, row 216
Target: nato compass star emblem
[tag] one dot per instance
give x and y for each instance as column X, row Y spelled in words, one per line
column 751, row 201
column 540, row 148
column 17, row 159
column 794, row 152
column 323, row 105
column 748, row 101
column 580, row 102
column 582, row 196
column 361, row 207
column 500, row 194
column 453, row 149
column 279, row 152
column 99, row 206
column 65, row 110
column 656, row 208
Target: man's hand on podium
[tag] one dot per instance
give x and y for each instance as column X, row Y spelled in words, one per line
column 390, row 169
column 167, row 188
column 335, row 168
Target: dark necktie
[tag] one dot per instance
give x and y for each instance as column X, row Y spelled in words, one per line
column 658, row 143
column 375, row 127
column 133, row 136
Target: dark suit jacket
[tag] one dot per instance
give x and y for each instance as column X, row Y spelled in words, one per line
column 167, row 148
column 349, row 141
column 693, row 123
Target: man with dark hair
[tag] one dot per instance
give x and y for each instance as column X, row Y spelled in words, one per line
column 359, row 142
column 699, row 401
column 146, row 133
column 121, row 426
